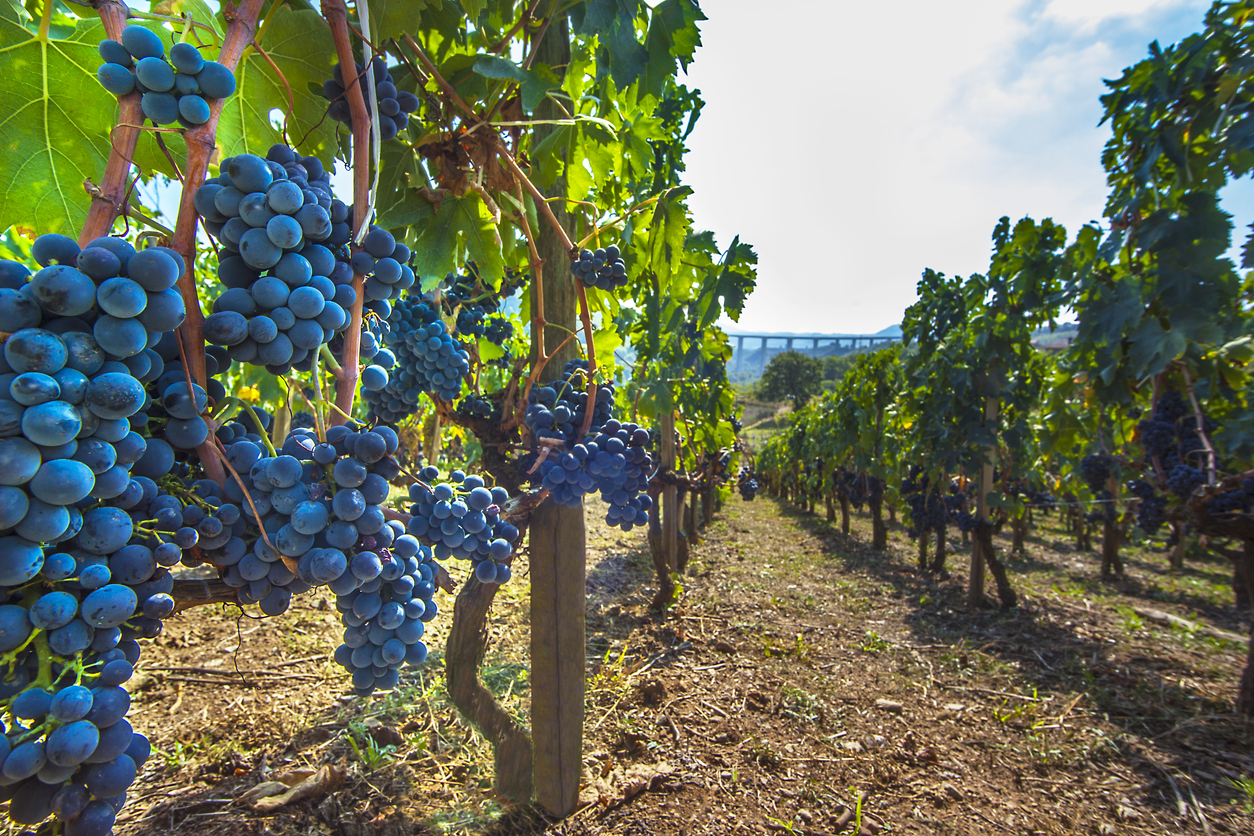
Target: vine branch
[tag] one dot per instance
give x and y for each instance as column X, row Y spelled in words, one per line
column 108, row 198
column 541, row 204
column 336, row 14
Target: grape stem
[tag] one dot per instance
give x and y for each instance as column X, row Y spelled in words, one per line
column 185, row 19
column 261, row 431
column 290, row 563
column 596, row 232
column 336, row 15
column 592, row 360
column 330, row 360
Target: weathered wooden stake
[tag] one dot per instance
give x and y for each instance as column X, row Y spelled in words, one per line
column 557, row 538
column 670, row 494
column 975, row 585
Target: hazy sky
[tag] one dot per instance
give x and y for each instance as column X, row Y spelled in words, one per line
column 855, row 144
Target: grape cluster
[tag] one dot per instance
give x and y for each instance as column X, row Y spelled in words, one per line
column 747, row 483
column 1095, row 470
column 1239, row 500
column 318, row 502
column 498, row 330
column 1170, row 435
column 104, row 299
column 429, row 360
column 86, row 533
column 1151, row 511
column 602, row 268
column 1183, row 480
column 170, row 94
column 928, row 511
column 385, row 599
column 956, row 509
column 384, row 262
column 477, row 406
column 462, row 518
column 477, row 305
column 613, row 458
column 287, row 294
column 394, row 105
column 863, row 489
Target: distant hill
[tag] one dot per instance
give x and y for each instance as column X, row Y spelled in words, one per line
column 890, row 331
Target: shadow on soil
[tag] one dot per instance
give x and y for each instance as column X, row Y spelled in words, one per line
column 1164, row 725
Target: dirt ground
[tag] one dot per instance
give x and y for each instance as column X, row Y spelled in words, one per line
column 805, row 684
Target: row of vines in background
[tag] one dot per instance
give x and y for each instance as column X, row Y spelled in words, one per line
column 509, row 272
column 1145, row 420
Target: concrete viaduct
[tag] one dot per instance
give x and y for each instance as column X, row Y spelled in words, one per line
column 765, row 350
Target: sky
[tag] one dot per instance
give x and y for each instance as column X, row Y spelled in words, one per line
column 855, row 144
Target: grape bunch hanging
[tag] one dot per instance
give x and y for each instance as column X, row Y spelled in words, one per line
column 613, row 458
column 462, row 518
column 601, row 268
column 394, row 105
column 276, row 219
column 87, row 523
column 177, row 90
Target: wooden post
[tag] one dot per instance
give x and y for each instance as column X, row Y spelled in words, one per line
column 975, row 585
column 670, row 494
column 557, row 538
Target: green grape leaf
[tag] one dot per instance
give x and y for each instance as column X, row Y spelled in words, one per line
column 462, row 229
column 55, row 121
column 412, row 209
column 401, row 172
column 299, row 43
column 668, row 232
column 613, row 22
column 533, row 83
column 594, row 144
column 489, row 350
column 672, row 35
column 607, row 342
column 548, row 158
column 394, row 18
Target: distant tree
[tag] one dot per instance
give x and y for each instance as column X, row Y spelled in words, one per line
column 834, row 367
column 791, row 376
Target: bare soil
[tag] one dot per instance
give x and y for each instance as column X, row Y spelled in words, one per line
column 804, row 684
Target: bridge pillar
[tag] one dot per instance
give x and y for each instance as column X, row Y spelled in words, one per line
column 740, row 352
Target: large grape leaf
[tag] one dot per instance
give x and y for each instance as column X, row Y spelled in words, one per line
column 533, row 84
column 613, row 22
column 462, row 229
column 55, row 120
column 299, row 42
column 397, row 199
column 672, row 35
column 394, row 18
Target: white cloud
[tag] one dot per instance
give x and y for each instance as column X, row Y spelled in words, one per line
column 856, row 144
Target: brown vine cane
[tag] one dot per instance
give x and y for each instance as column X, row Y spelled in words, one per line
column 336, row 15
